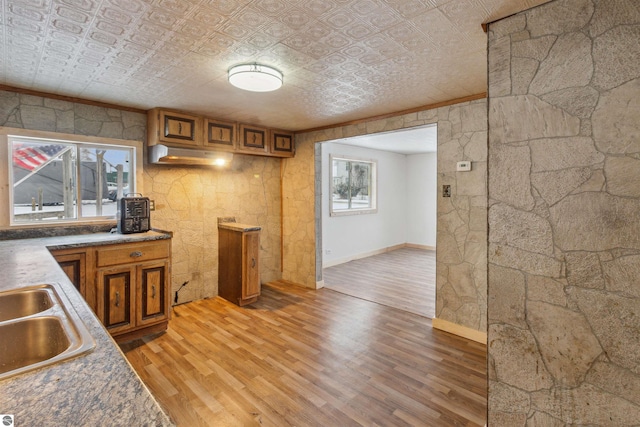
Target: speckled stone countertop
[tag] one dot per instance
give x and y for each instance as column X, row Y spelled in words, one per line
column 95, row 389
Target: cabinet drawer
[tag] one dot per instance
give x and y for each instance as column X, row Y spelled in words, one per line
column 132, row 253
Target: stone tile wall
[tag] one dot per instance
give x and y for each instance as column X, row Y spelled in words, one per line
column 564, row 228
column 188, row 199
column 462, row 219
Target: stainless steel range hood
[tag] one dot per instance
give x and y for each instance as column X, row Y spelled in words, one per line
column 162, row 154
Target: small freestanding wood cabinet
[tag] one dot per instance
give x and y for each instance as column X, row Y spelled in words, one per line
column 238, row 262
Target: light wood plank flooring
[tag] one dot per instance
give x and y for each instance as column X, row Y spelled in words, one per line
column 403, row 278
column 300, row 357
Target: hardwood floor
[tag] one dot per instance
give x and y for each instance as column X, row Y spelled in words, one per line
column 300, row 357
column 403, row 278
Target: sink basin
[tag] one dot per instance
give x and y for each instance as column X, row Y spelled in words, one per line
column 39, row 327
column 23, row 303
column 39, row 338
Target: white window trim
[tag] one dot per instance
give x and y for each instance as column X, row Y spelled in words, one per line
column 5, row 172
column 374, row 183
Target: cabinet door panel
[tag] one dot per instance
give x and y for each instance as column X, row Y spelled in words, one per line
column 180, row 128
column 73, row 266
column 253, row 139
column 281, row 143
column 78, row 266
column 115, row 298
column 153, row 293
column 251, row 248
column 220, row 135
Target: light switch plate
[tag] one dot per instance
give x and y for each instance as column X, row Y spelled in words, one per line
column 463, row 166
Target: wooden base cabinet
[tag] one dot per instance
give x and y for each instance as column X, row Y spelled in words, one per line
column 133, row 283
column 76, row 263
column 127, row 285
column 238, row 263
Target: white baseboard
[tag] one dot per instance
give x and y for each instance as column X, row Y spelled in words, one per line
column 461, row 331
column 320, row 284
column 376, row 252
column 362, row 255
column 417, row 246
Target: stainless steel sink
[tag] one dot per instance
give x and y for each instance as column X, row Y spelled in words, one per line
column 23, row 303
column 38, row 327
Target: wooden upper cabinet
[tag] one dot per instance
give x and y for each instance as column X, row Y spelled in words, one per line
column 174, row 128
column 281, row 143
column 220, row 135
column 253, row 139
column 178, row 129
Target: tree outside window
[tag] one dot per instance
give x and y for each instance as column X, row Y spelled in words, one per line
column 353, row 184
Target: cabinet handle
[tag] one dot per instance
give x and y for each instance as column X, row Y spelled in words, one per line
column 135, row 254
column 117, row 299
column 253, row 262
column 220, row 134
column 153, row 291
column 179, row 128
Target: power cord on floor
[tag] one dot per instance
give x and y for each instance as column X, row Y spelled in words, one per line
column 175, row 299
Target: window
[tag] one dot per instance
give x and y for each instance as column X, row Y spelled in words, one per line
column 353, row 186
column 67, row 181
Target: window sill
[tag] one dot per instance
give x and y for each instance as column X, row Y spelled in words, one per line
column 353, row 212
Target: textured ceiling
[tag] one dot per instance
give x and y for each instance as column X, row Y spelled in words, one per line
column 415, row 140
column 342, row 60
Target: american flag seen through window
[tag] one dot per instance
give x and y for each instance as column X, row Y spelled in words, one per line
column 31, row 157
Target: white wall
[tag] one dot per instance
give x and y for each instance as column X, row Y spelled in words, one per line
column 422, row 193
column 354, row 236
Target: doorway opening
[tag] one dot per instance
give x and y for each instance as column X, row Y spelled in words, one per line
column 386, row 254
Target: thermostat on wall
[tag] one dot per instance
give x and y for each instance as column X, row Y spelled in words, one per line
column 463, row 166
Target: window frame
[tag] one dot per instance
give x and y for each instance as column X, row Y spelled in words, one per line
column 373, row 184
column 7, row 216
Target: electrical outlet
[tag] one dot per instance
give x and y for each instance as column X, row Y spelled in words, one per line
column 152, row 205
column 446, row 190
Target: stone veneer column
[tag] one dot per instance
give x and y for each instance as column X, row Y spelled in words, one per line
column 462, row 219
column 564, row 215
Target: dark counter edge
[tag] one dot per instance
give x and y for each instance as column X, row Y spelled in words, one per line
column 91, row 389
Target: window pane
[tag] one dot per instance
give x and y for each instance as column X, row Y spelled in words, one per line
column 352, row 183
column 43, row 180
column 341, row 188
column 360, row 185
column 68, row 181
column 103, row 171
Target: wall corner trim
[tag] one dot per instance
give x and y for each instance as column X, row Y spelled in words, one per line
column 462, row 331
column 320, row 284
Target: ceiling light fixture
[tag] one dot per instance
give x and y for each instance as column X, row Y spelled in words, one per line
column 255, row 77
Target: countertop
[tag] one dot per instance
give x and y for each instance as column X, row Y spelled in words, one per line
column 238, row 227
column 96, row 389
